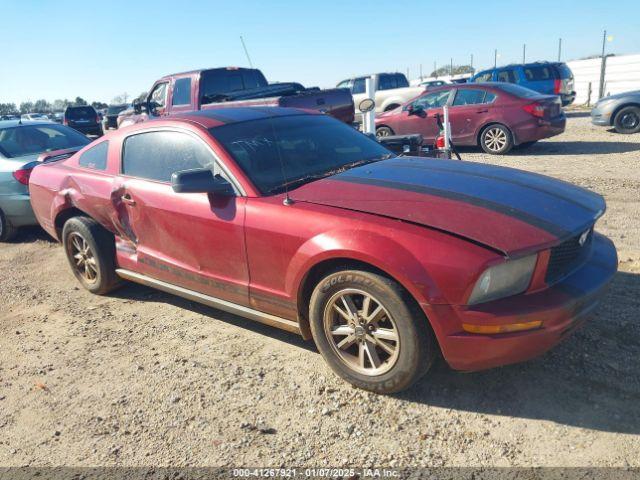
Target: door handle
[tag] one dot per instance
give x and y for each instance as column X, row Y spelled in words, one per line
column 126, row 198
column 482, row 111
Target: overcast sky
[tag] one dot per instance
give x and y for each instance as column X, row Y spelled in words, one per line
column 97, row 50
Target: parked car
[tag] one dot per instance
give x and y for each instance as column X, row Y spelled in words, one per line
column 432, row 83
column 57, row 117
column 84, row 119
column 299, row 221
column 22, row 145
column 41, row 117
column 9, row 117
column 495, row 116
column 232, row 86
column 549, row 78
column 392, row 90
column 621, row 111
column 111, row 117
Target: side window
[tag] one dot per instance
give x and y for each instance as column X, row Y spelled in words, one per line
column 344, row 84
column 358, row 86
column 387, row 82
column 489, row 97
column 157, row 155
column 95, row 157
column 182, row 92
column 159, row 95
column 507, row 76
column 468, row 96
column 432, row 100
column 484, row 77
column 401, row 81
column 537, row 73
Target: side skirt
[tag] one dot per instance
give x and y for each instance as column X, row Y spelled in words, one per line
column 272, row 320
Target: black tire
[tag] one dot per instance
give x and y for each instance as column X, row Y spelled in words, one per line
column 383, row 132
column 101, row 248
column 627, row 120
column 524, row 145
column 415, row 347
column 7, row 231
column 496, row 139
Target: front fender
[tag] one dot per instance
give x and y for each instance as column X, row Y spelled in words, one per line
column 377, row 250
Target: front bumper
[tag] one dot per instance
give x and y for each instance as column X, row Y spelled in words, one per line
column 17, row 209
column 562, row 308
column 601, row 116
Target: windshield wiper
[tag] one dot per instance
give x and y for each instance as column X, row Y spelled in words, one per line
column 317, row 176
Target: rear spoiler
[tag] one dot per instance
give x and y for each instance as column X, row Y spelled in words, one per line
column 56, row 155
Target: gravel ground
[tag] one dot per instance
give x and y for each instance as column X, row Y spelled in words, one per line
column 145, row 378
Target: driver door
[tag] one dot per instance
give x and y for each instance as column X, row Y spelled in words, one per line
column 192, row 240
column 420, row 115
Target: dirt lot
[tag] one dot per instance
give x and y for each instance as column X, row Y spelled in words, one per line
column 144, row 378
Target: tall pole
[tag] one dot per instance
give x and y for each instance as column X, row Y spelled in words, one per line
column 420, row 72
column 435, row 69
column 559, row 48
column 602, row 66
column 471, row 64
column 495, row 58
column 451, row 68
column 524, row 53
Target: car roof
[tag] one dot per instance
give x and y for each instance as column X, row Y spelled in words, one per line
column 215, row 117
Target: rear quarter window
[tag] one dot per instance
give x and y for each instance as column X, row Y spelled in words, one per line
column 96, row 157
column 182, row 92
column 534, row 74
column 484, row 77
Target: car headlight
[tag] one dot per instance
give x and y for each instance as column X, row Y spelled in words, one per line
column 503, row 280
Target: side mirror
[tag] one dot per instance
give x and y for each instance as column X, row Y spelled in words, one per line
column 415, row 110
column 200, row 180
column 366, row 105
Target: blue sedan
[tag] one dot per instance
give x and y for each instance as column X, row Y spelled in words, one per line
column 21, row 143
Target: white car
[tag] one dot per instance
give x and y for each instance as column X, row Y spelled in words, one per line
column 392, row 90
column 40, row 117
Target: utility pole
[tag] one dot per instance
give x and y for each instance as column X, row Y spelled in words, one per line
column 451, row 68
column 420, row 72
column 603, row 66
column 435, row 69
column 559, row 48
column 471, row 64
column 524, row 53
column 495, row 58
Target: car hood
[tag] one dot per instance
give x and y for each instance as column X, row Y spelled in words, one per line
column 617, row 96
column 508, row 210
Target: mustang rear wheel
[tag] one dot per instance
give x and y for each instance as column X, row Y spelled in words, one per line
column 496, row 140
column 90, row 251
column 7, row 231
column 627, row 120
column 370, row 332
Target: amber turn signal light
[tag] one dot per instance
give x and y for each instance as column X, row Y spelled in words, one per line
column 507, row 328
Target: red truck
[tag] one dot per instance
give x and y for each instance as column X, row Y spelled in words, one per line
column 236, row 87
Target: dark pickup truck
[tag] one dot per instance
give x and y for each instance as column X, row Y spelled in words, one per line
column 234, row 87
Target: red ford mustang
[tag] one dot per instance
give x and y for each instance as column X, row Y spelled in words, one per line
column 495, row 116
column 299, row 221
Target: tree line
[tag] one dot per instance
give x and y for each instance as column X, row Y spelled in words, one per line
column 59, row 105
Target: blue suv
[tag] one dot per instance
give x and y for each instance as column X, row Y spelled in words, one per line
column 550, row 78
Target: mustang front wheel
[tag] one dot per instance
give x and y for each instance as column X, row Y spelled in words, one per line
column 370, row 332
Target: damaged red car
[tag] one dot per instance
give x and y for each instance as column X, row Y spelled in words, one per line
column 299, row 221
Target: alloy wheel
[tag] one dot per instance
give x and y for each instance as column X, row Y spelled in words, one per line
column 84, row 261
column 630, row 120
column 362, row 332
column 495, row 139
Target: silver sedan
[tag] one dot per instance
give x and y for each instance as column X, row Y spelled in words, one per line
column 21, row 143
column 621, row 111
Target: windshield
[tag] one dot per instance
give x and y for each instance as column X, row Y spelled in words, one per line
column 25, row 140
column 290, row 151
